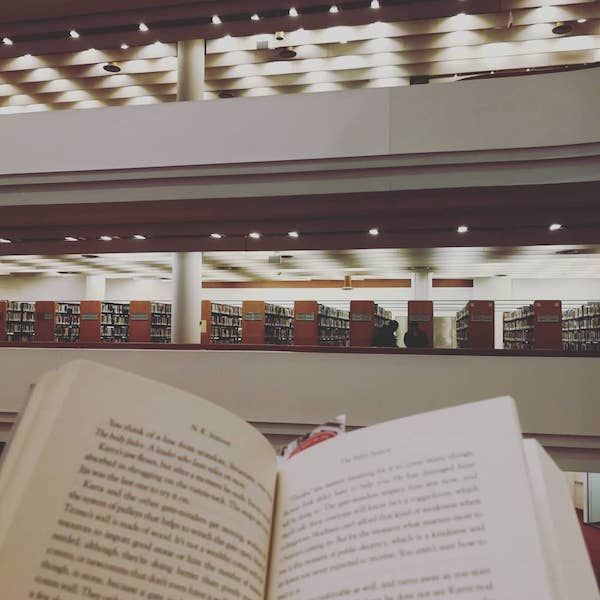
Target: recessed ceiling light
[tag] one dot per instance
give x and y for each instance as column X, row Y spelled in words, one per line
column 374, row 231
column 143, row 27
column 139, row 236
column 124, row 46
column 293, row 12
column 105, row 238
column 216, row 236
column 73, row 34
column 374, row 3
column 462, row 229
column 5, row 241
column 7, row 41
column 255, row 17
column 111, row 67
column 560, row 28
column 70, row 238
column 333, row 9
column 254, row 235
column 461, row 14
column 293, row 234
column 216, row 20
column 555, row 227
column 582, row 20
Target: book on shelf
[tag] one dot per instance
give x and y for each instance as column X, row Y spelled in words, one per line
column 581, row 328
column 115, row 486
column 20, row 321
column 68, row 321
column 114, row 323
column 160, row 331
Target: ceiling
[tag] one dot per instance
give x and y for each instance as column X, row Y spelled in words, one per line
column 444, row 40
column 521, row 262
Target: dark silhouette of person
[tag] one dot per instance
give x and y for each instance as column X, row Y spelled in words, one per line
column 415, row 337
column 385, row 337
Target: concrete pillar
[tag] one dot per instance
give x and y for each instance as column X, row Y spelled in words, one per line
column 187, row 297
column 95, row 287
column 190, row 70
column 421, row 285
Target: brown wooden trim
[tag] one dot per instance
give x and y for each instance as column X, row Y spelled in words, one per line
column 313, row 283
column 452, row 283
column 321, row 349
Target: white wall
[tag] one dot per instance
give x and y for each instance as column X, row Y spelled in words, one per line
column 508, row 293
column 555, row 396
column 538, row 111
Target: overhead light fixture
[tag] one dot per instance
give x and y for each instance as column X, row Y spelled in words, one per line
column 70, row 238
column 293, row 234
column 111, row 67
column 139, row 236
column 254, row 235
column 374, row 231
column 105, row 238
column 333, row 9
column 143, row 27
column 293, row 12
column 462, row 229
column 216, row 236
column 7, row 41
column 5, row 241
column 255, row 17
column 124, row 46
column 73, row 34
column 216, row 20
column 461, row 14
column 561, row 28
column 288, row 52
column 375, row 4
column 555, row 227
column 582, row 20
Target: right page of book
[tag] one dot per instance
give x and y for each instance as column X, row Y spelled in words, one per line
column 438, row 505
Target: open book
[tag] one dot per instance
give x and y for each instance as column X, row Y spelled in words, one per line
column 118, row 487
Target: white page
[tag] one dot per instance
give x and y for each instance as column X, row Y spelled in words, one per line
column 564, row 546
column 141, row 491
column 377, row 515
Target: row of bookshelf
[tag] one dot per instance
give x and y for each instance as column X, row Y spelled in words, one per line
column 537, row 326
column 475, row 325
column 581, row 328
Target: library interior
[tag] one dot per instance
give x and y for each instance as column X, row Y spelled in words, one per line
column 298, row 210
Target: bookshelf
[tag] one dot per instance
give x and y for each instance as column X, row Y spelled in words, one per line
column 90, row 318
column 421, row 312
column 537, row 326
column 581, row 328
column 45, row 321
column 265, row 323
column 365, row 318
column 67, row 321
column 475, row 325
column 3, row 305
column 319, row 325
column 20, row 321
column 221, row 323
column 114, row 324
column 160, row 332
column 148, row 322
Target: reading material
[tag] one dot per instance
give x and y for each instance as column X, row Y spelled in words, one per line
column 118, row 487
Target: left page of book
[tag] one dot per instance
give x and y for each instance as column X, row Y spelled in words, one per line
column 134, row 489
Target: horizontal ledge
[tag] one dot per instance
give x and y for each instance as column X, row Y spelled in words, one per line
column 313, row 349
